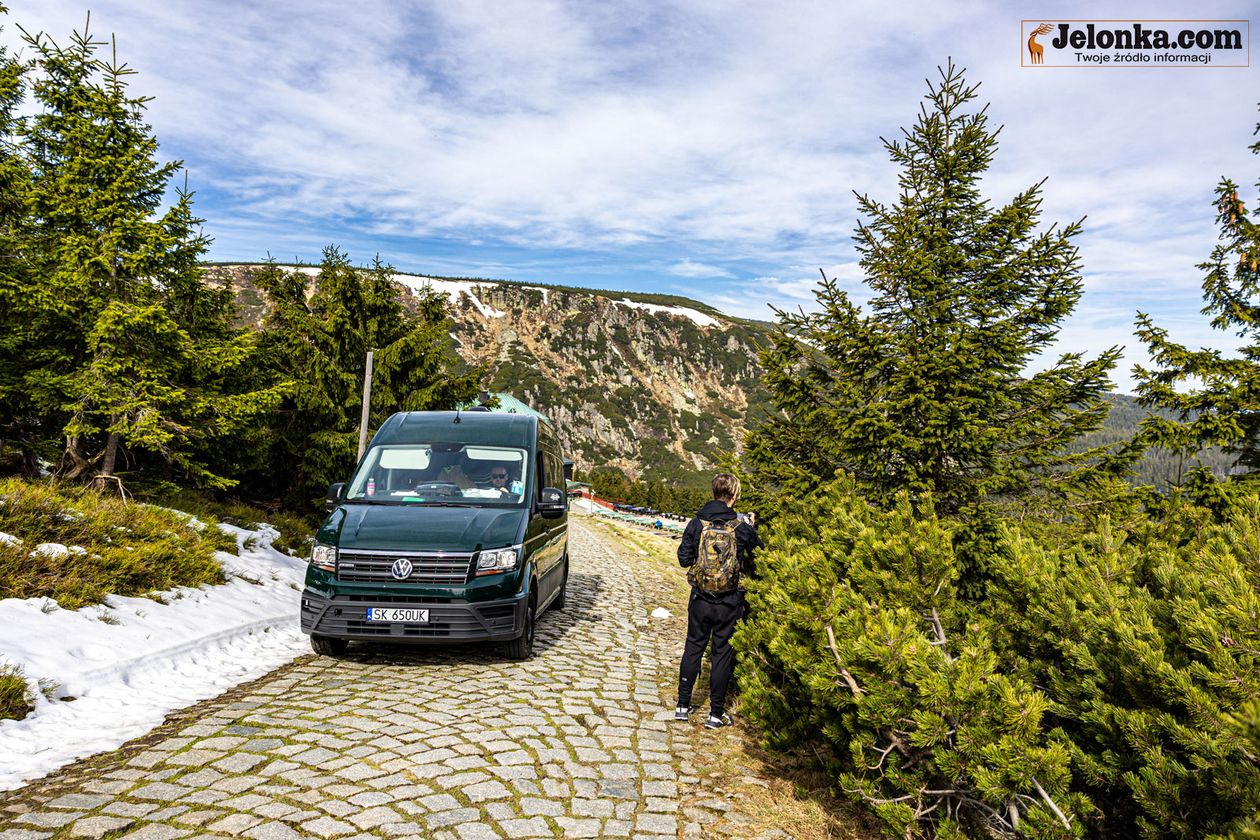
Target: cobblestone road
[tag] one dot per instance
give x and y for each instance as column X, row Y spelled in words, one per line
column 411, row 742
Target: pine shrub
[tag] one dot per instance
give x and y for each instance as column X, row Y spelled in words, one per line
column 1093, row 689
column 858, row 637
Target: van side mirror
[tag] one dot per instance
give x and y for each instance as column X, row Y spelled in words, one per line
column 333, row 497
column 551, row 503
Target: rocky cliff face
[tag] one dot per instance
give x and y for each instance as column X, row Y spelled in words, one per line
column 653, row 389
column 655, row 386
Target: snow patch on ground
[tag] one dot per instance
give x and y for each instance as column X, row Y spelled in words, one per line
column 661, row 612
column 130, row 662
column 452, row 289
column 680, row 311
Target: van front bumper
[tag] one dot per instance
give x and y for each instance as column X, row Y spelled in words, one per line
column 450, row 621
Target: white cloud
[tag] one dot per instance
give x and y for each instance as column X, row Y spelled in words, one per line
column 689, row 268
column 672, row 138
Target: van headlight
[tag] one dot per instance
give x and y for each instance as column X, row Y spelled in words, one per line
column 498, row 560
column 324, row 557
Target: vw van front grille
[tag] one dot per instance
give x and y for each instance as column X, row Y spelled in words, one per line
column 434, row 567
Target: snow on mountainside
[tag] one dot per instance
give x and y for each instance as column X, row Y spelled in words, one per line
column 653, row 384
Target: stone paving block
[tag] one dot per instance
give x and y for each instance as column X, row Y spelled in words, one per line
column 620, row 771
column 465, row 762
column 23, row 834
column 476, row 831
column 275, row 810
column 200, row 778
column 80, row 801
column 240, row 762
column 200, row 817
column 247, row 802
column 454, row 780
column 657, row 824
column 514, row 757
column 659, row 804
column 272, row 830
column 578, row 828
column 99, row 826
column 162, row 791
column 105, row 786
column 532, row 806
column 526, row 787
column 167, row 814
column 194, row 758
column 327, row 827
column 659, row 771
column 438, row 819
column 209, row 796
column 372, row 817
column 49, row 819
column 234, row 824
column 122, row 808
column 485, row 791
column 659, row 788
column 155, row 831
column 591, row 808
column 370, row 798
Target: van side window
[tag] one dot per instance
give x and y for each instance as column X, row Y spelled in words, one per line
column 540, row 480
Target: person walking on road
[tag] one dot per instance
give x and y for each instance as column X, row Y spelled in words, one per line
column 717, row 550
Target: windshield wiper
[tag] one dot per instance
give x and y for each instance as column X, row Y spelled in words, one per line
column 362, row 501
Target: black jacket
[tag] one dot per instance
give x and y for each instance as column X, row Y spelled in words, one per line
column 746, row 541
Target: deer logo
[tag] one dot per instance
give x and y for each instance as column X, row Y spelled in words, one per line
column 1035, row 49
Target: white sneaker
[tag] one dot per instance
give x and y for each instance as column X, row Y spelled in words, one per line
column 718, row 722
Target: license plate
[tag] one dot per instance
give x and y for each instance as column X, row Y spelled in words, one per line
column 397, row 614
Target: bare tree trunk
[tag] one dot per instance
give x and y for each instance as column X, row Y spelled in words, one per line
column 74, row 464
column 110, row 459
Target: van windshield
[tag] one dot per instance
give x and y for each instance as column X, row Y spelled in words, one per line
column 441, row 474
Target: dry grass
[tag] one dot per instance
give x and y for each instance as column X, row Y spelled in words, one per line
column 768, row 791
column 14, row 703
column 114, row 548
column 297, row 533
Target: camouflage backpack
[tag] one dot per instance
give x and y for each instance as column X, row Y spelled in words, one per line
column 716, row 569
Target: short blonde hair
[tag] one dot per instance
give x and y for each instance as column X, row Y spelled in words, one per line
column 725, row 487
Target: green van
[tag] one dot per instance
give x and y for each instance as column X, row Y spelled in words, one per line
column 454, row 528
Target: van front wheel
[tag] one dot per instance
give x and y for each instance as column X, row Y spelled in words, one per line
column 326, row 646
column 522, row 647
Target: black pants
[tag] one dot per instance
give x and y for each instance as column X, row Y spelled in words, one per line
column 709, row 620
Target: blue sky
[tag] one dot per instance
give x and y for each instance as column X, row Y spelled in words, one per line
column 702, row 148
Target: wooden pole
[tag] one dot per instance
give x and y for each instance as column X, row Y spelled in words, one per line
column 367, row 402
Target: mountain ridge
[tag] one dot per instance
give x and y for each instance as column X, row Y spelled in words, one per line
column 658, row 386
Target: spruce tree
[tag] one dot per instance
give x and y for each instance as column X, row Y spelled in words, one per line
column 927, row 390
column 18, row 420
column 1221, row 406
column 126, row 354
column 317, row 336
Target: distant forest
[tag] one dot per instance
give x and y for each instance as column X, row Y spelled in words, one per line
column 1159, row 468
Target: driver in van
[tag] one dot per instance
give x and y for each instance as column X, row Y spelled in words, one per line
column 501, row 480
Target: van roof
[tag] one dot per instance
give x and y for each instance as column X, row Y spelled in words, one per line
column 477, row 427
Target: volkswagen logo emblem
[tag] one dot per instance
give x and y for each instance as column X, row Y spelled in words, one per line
column 401, row 570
